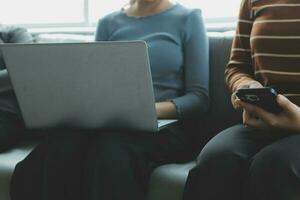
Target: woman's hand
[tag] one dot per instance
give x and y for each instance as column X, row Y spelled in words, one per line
column 256, row 117
column 165, row 110
column 252, row 84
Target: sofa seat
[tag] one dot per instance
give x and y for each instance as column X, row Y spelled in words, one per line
column 167, row 181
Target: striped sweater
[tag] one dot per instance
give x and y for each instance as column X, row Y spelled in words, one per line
column 266, row 47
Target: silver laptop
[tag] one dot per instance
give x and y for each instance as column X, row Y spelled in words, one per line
column 99, row 85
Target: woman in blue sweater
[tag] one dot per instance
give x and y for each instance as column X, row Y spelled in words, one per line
column 117, row 165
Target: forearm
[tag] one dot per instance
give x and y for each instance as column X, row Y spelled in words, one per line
column 166, row 110
column 240, row 69
column 5, row 83
column 192, row 104
column 194, row 100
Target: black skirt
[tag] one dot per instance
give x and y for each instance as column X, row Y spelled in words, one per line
column 106, row 165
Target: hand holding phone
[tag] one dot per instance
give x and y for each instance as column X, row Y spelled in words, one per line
column 250, row 84
column 263, row 97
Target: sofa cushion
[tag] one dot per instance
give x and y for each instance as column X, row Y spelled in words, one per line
column 221, row 114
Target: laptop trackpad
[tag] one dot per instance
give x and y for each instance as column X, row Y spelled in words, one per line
column 162, row 123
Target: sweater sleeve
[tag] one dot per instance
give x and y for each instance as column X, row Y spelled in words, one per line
column 195, row 99
column 239, row 70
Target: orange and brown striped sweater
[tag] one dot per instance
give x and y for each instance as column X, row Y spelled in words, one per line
column 266, row 47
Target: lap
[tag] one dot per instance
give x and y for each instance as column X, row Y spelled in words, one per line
column 238, row 141
column 168, row 145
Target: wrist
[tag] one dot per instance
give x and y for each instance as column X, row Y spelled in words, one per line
column 246, row 83
column 165, row 109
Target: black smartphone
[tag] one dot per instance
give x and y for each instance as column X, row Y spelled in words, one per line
column 262, row 97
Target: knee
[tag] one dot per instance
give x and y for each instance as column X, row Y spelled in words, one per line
column 226, row 151
column 219, row 152
column 222, row 161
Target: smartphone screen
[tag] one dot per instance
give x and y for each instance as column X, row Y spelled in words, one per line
column 262, row 97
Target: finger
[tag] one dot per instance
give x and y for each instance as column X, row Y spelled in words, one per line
column 257, row 111
column 256, row 123
column 251, row 121
column 246, row 117
column 235, row 103
column 286, row 104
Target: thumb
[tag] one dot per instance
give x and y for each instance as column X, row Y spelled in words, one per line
column 285, row 104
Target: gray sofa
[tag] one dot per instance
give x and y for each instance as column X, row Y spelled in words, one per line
column 167, row 181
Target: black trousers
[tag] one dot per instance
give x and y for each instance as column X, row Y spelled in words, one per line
column 246, row 164
column 11, row 130
column 103, row 166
